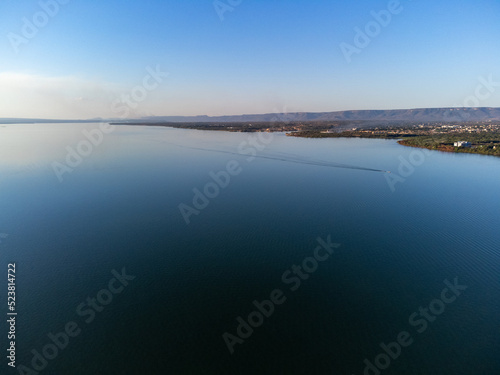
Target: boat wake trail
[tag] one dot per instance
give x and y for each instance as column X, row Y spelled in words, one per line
column 287, row 159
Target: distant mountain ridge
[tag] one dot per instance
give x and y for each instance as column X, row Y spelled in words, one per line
column 380, row 116
column 406, row 115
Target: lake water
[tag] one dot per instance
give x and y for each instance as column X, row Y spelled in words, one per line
column 119, row 208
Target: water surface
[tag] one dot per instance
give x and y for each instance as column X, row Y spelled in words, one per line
column 120, row 208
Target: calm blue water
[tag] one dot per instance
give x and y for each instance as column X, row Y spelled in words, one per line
column 120, row 208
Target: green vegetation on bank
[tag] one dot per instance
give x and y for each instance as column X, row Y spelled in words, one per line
column 246, row 127
column 485, row 143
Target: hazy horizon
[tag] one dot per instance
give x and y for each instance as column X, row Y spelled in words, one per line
column 71, row 60
column 240, row 114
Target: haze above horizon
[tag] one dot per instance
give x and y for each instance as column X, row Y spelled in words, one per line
column 76, row 60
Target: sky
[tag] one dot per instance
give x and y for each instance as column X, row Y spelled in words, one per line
column 81, row 59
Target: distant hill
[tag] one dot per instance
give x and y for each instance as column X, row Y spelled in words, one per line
column 373, row 116
column 394, row 115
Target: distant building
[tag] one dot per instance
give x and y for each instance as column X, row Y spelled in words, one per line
column 462, row 144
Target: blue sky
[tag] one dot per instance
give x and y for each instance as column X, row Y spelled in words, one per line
column 264, row 56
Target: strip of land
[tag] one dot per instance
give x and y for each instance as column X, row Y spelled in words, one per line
column 478, row 137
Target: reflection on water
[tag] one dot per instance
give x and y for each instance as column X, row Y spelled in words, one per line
column 120, row 208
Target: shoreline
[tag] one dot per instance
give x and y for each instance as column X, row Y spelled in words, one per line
column 483, row 143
